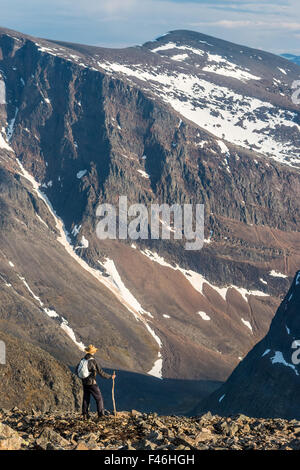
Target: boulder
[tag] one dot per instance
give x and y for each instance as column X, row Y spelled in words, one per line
column 51, row 440
column 10, row 439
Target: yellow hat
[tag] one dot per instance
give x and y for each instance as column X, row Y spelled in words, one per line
column 91, row 349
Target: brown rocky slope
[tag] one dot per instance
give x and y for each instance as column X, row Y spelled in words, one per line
column 34, row 380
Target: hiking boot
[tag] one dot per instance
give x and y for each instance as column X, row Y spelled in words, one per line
column 100, row 417
column 85, row 417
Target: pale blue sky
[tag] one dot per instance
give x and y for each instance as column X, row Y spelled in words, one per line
column 272, row 26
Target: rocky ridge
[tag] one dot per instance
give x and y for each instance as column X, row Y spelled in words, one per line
column 137, row 431
column 266, row 382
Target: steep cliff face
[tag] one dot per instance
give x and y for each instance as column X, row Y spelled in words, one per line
column 186, row 119
column 33, row 380
column 266, row 383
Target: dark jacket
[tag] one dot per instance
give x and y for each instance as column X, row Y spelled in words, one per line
column 94, row 369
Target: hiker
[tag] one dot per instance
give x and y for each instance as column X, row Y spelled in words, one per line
column 87, row 370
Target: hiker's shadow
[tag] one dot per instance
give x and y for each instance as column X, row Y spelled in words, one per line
column 150, row 394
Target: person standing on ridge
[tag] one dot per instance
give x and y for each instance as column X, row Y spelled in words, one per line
column 87, row 371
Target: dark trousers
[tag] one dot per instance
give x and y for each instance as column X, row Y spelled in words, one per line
column 93, row 390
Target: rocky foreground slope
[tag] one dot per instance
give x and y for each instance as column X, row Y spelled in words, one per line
column 137, row 431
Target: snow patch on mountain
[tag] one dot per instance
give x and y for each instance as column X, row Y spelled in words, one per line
column 223, row 147
column 224, row 67
column 179, row 57
column 277, row 274
column 81, row 173
column 4, row 144
column 204, row 316
column 68, row 330
column 30, row 290
column 11, row 125
column 156, row 370
column 172, row 46
column 84, row 243
column 48, row 50
column 51, row 313
column 266, row 352
column 76, row 230
column 115, row 277
column 279, row 359
column 248, row 324
column 144, row 174
column 282, row 71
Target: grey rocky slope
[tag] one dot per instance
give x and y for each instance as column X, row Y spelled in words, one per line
column 186, row 118
column 266, row 383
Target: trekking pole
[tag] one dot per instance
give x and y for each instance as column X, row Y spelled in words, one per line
column 113, row 396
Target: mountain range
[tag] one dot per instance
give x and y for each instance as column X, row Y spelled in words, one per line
column 186, row 118
column 292, row 57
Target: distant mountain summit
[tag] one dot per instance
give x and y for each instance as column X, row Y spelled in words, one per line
column 267, row 382
column 292, row 57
